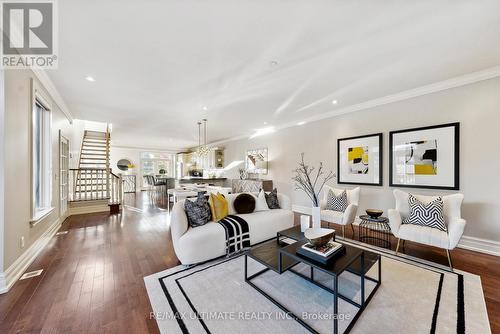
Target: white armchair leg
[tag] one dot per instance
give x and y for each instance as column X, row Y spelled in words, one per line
column 343, row 232
column 449, row 259
column 397, row 246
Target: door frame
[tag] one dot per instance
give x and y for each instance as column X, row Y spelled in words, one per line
column 63, row 200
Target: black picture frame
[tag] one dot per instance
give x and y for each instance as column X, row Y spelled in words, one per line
column 380, row 164
column 456, row 178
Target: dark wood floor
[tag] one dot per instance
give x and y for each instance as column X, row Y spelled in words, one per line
column 93, row 275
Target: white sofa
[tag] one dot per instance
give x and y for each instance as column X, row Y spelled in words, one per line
column 428, row 235
column 341, row 218
column 194, row 245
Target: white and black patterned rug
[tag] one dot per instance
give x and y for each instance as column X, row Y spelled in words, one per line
column 413, row 298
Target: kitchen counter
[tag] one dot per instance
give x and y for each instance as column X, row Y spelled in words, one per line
column 200, row 178
column 217, row 181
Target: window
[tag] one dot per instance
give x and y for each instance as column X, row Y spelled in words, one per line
column 41, row 159
column 155, row 163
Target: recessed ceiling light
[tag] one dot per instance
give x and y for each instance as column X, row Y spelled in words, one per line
column 273, row 63
column 204, row 108
column 335, row 102
column 301, row 123
column 89, row 78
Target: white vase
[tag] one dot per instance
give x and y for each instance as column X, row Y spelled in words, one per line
column 316, row 217
column 305, row 223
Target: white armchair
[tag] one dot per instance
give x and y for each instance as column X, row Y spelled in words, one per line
column 428, row 235
column 341, row 218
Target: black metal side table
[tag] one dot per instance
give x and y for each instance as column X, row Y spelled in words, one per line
column 375, row 231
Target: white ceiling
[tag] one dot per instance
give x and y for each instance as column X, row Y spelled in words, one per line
column 157, row 63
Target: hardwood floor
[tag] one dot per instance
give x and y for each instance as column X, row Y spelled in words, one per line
column 92, row 278
column 486, row 266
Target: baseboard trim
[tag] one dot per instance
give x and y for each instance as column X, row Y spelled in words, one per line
column 15, row 271
column 480, row 245
column 78, row 210
column 485, row 246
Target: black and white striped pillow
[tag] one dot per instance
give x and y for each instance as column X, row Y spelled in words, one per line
column 430, row 215
column 336, row 203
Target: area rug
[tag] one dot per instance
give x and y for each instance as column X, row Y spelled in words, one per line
column 414, row 297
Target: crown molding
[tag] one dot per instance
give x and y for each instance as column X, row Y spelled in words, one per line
column 53, row 92
column 459, row 81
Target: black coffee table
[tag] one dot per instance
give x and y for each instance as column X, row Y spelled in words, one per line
column 281, row 258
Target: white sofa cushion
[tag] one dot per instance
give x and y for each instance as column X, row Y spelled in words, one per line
column 194, row 245
column 260, row 202
column 424, row 235
column 331, row 216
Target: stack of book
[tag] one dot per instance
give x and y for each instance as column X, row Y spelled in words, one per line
column 321, row 254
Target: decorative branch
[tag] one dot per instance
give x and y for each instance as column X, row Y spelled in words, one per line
column 304, row 180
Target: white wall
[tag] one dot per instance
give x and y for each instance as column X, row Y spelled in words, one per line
column 2, row 175
column 17, row 154
column 476, row 106
column 132, row 154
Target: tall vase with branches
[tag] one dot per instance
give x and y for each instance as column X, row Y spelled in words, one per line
column 311, row 181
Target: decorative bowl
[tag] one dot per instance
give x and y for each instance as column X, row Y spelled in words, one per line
column 319, row 236
column 374, row 213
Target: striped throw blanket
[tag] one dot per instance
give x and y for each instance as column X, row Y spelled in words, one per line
column 237, row 234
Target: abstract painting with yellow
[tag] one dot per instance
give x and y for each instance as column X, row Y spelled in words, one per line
column 421, row 157
column 358, row 160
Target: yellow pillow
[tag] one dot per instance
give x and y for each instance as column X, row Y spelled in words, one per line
column 218, row 206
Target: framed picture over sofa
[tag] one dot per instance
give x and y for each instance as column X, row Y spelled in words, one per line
column 359, row 160
column 426, row 157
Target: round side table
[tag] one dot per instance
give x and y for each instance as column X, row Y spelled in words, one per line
column 375, row 231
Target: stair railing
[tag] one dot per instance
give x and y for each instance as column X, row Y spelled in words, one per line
column 116, row 184
column 89, row 184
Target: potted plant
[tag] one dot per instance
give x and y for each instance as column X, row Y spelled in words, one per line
column 311, row 182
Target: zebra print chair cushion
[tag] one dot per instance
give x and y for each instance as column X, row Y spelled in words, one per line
column 337, row 203
column 430, row 214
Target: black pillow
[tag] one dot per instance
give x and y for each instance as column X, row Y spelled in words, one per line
column 244, row 203
column 272, row 199
column 198, row 212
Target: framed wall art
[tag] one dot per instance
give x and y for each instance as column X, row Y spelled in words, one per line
column 359, row 160
column 257, row 161
column 425, row 157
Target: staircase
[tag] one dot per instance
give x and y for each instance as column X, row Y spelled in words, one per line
column 94, row 184
column 94, row 153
